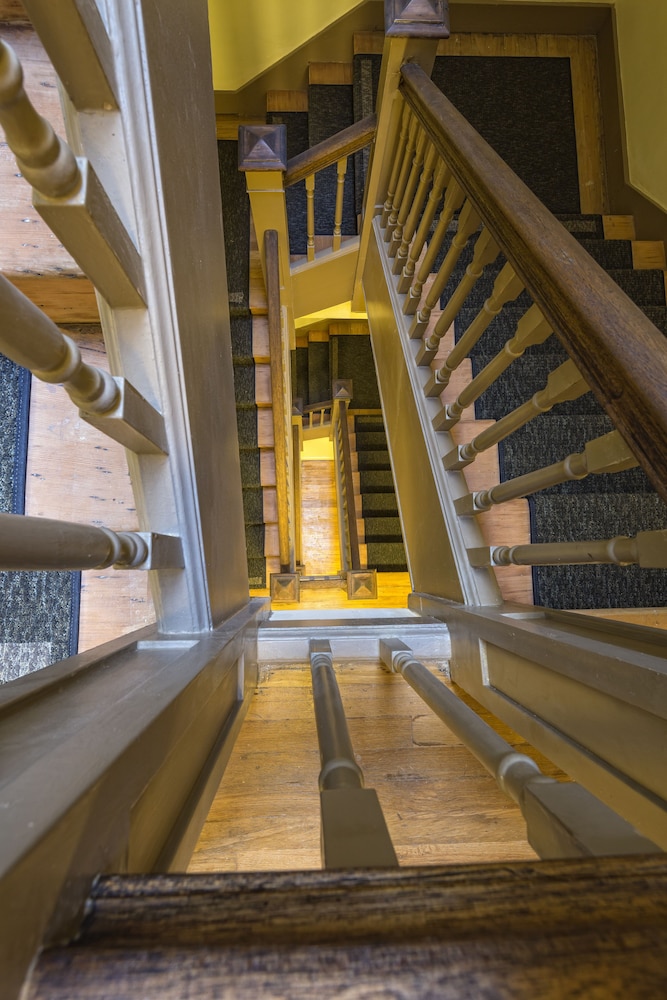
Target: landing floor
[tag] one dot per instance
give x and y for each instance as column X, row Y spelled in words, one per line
column 441, row 806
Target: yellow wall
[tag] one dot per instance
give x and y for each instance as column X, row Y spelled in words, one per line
column 642, row 44
column 249, row 36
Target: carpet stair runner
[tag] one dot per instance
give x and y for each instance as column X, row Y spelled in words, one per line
column 379, row 507
column 236, row 213
column 598, row 506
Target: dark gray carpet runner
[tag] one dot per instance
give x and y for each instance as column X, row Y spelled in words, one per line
column 39, row 616
column 379, row 506
column 236, row 215
column 521, row 105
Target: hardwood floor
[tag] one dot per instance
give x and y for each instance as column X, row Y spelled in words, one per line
column 440, row 805
column 319, row 519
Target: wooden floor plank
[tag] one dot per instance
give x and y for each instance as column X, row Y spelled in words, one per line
column 439, row 803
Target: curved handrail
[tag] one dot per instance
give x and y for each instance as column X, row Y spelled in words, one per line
column 344, row 143
column 622, row 355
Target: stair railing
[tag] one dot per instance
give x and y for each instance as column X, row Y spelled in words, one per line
column 589, row 694
column 281, row 405
column 348, row 534
column 317, row 415
column 335, row 150
column 449, row 193
column 119, row 750
column 325, row 278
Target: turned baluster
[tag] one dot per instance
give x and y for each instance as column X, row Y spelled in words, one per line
column 454, row 198
column 467, row 225
column 648, row 550
column 406, row 163
column 408, row 194
column 531, row 329
column 486, row 251
column 507, row 287
column 409, row 259
column 606, row 454
column 395, row 170
column 565, row 383
column 415, row 212
column 341, row 170
column 310, row 216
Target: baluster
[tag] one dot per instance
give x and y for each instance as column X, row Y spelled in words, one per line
column 606, row 454
column 41, row 543
column 440, row 181
column 647, row 550
column 310, row 216
column 408, row 194
column 486, row 251
column 531, row 329
column 507, row 287
column 454, row 198
column 68, row 194
column 401, row 258
column 341, row 170
column 564, row 383
column 395, row 170
column 406, row 163
column 32, row 340
column 468, row 224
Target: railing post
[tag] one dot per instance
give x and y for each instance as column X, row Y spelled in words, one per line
column 281, row 404
column 263, row 159
column 410, row 35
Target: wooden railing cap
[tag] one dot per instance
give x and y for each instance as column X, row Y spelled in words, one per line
column 262, row 147
column 416, row 18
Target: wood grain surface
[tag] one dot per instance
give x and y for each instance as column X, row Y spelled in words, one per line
column 586, row 929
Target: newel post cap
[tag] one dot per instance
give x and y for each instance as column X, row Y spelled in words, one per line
column 262, row 147
column 416, row 18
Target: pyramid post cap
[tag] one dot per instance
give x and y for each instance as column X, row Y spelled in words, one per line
column 416, row 18
column 262, row 147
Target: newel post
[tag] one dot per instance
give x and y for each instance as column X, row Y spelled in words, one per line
column 413, row 29
column 263, row 159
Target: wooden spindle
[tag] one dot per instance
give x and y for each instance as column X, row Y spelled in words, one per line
column 440, row 181
column 32, row 340
column 395, row 170
column 565, row 383
column 647, row 550
column 68, row 194
column 405, row 155
column 486, row 251
column 310, row 216
column 43, row 158
column 41, row 543
column 341, row 170
column 507, row 287
column 606, row 454
column 467, row 225
column 408, row 194
column 416, row 208
column 454, row 198
column 531, row 329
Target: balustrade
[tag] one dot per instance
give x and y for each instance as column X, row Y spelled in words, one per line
column 465, row 189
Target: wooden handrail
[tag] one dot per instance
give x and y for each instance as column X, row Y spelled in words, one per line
column 313, row 407
column 278, row 402
column 622, row 355
column 344, row 143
